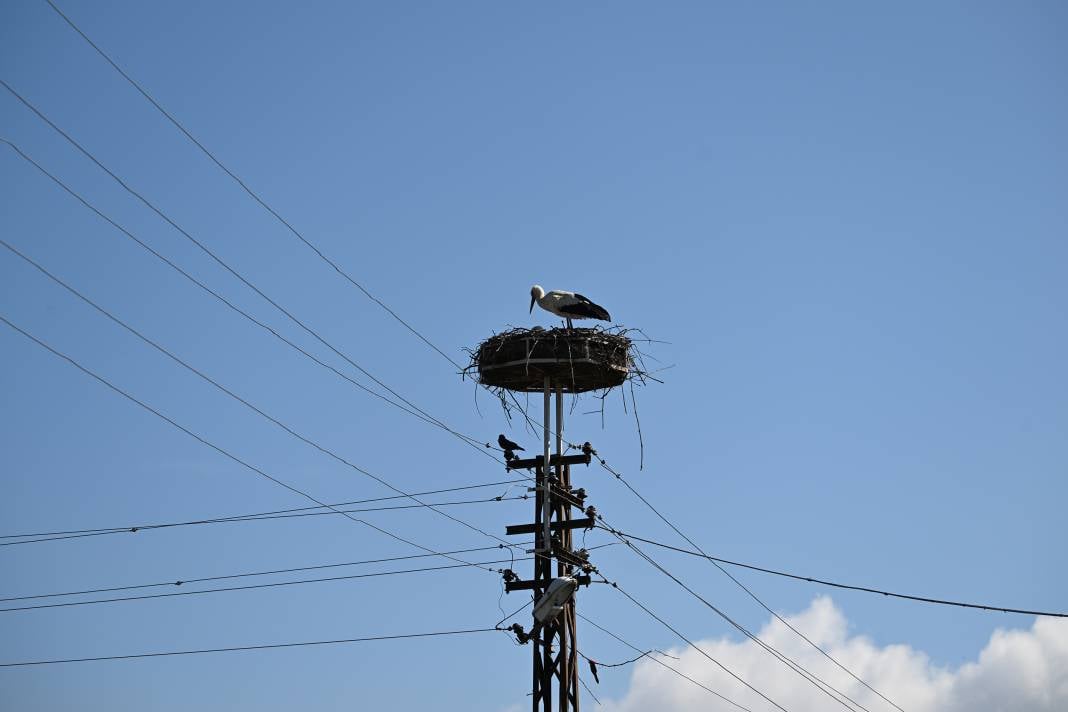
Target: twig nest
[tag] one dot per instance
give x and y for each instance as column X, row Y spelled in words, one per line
column 576, row 360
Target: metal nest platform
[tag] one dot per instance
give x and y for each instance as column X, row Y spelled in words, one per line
column 575, row 360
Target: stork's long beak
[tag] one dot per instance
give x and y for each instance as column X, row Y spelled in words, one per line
column 532, row 300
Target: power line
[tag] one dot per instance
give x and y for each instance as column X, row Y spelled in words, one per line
column 206, row 250
column 513, row 613
column 820, row 684
column 588, row 690
column 255, row 196
column 647, row 653
column 251, row 647
column 647, row 503
column 205, row 579
column 243, row 463
column 276, row 584
column 473, row 442
column 663, row 664
column 163, row 350
column 623, row 663
column 254, row 516
column 263, row 203
column 78, row 534
column 696, row 647
column 865, row 589
column 248, row 190
column 262, row 518
column 215, row 447
column 689, row 642
column 805, row 674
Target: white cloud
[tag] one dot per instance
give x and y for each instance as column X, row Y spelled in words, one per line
column 1023, row 670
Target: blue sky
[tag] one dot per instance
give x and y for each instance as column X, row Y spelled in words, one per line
column 849, row 223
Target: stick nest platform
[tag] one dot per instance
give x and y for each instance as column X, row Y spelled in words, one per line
column 576, row 360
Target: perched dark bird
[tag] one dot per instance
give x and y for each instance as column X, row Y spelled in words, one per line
column 520, row 635
column 506, row 444
column 593, row 669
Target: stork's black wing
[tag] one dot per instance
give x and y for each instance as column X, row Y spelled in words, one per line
column 585, row 309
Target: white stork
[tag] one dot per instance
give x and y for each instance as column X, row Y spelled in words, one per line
column 567, row 305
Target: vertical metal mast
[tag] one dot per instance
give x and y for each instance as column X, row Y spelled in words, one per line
column 558, row 636
column 554, row 653
column 567, row 671
column 547, row 511
column 561, row 660
column 541, row 695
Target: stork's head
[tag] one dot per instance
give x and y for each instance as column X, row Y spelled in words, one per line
column 536, row 293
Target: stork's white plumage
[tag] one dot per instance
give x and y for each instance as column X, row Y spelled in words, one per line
column 567, row 305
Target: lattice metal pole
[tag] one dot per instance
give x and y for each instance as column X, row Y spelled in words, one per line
column 543, row 572
column 563, row 670
column 547, row 511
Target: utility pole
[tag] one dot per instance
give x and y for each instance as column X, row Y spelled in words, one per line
column 554, row 641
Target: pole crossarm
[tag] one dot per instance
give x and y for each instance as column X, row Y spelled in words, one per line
column 554, row 461
column 510, row 586
column 585, row 523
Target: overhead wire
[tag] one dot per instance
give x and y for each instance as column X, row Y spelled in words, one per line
column 249, row 587
column 818, row 682
column 512, row 614
column 684, row 638
column 746, row 589
column 258, row 199
column 255, row 196
column 698, row 648
column 598, row 664
column 213, row 446
column 590, row 692
column 254, row 516
column 201, row 651
column 849, row 587
column 210, row 253
column 248, row 465
column 216, row 258
column 469, row 440
column 303, row 438
column 262, row 202
column 249, row 574
column 274, row 517
column 676, row 671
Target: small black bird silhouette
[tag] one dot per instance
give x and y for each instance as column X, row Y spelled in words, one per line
column 593, row 669
column 507, row 444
